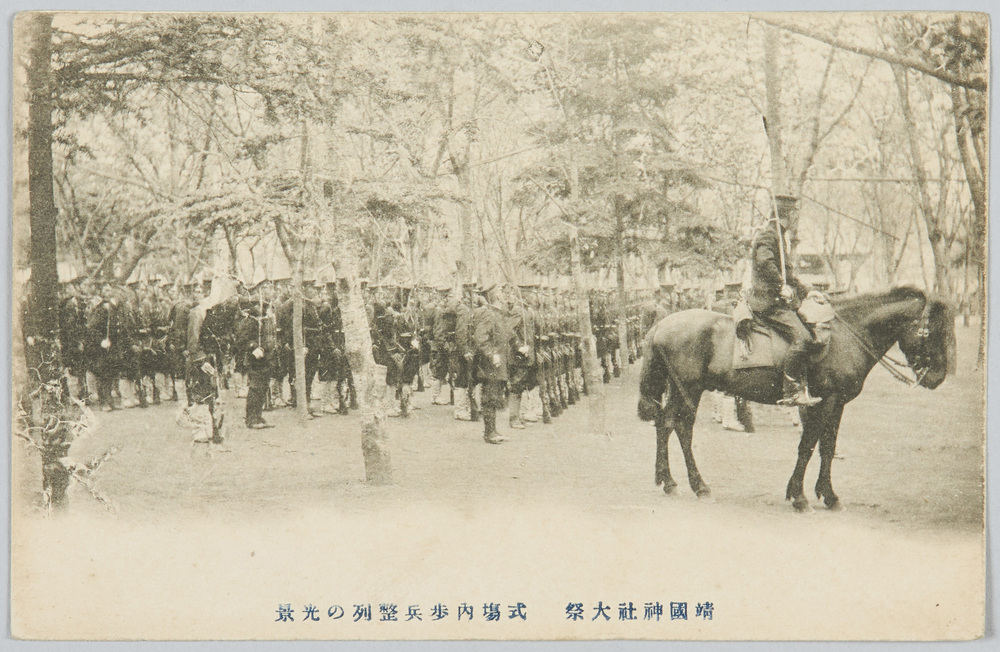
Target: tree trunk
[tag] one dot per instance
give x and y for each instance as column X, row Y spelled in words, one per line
column 934, row 235
column 49, row 403
column 976, row 245
column 298, row 340
column 368, row 376
column 780, row 184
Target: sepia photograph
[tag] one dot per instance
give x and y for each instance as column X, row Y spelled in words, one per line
column 499, row 326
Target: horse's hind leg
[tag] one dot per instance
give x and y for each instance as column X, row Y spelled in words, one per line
column 685, row 433
column 663, row 430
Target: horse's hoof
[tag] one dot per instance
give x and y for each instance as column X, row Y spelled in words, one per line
column 670, row 489
column 835, row 506
column 802, row 506
column 704, row 494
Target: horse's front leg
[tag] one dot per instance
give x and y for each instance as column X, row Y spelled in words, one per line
column 827, row 449
column 663, row 477
column 812, row 423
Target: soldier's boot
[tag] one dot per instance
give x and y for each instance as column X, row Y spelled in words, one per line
column 392, row 402
column 451, row 394
column 546, row 414
column 490, row 434
column 583, row 382
column 156, row 392
column 342, row 398
column 274, row 395
column 473, row 404
column 515, row 412
column 573, row 394
column 330, row 390
column 563, row 392
column 404, row 401
column 795, row 392
column 553, row 399
column 529, row 404
column 461, row 412
column 606, row 378
column 420, row 380
column 730, row 417
column 140, row 392
column 616, row 363
column 352, row 392
column 240, row 384
column 438, row 397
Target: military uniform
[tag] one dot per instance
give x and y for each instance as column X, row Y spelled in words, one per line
column 254, row 350
column 491, row 341
column 775, row 310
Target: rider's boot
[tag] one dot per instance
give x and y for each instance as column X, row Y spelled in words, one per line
column 797, row 393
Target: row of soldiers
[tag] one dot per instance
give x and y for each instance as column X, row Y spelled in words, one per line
column 128, row 336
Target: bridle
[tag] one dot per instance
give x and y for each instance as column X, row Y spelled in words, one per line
column 921, row 358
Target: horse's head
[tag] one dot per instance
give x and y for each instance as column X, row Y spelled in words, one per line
column 929, row 342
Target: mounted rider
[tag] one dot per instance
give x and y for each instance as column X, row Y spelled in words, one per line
column 775, row 295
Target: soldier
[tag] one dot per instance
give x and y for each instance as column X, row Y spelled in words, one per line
column 177, row 316
column 523, row 365
column 201, row 384
column 463, row 370
column 107, row 344
column 255, row 346
column 73, row 335
column 333, row 367
column 403, row 351
column 135, row 326
column 442, row 347
column 549, row 343
column 570, row 337
column 774, row 296
column 491, row 341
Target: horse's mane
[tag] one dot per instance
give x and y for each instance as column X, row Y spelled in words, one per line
column 849, row 304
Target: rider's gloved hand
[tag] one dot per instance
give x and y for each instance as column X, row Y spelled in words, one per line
column 818, row 296
column 787, row 292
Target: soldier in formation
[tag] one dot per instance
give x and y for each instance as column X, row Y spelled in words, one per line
column 479, row 349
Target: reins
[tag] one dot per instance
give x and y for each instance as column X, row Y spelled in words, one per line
column 885, row 360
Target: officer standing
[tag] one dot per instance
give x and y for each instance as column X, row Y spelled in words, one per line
column 255, row 352
column 492, row 338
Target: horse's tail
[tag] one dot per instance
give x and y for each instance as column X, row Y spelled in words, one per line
column 654, row 380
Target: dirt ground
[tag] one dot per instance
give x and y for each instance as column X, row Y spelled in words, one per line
column 557, row 514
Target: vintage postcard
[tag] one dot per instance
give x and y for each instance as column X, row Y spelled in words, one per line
column 499, row 326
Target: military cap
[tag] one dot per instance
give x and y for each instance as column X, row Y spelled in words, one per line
column 786, row 206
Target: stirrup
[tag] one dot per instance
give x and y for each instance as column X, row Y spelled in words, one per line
column 799, row 396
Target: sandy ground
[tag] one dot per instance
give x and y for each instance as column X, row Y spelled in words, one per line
column 209, row 545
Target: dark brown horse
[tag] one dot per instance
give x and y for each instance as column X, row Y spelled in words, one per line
column 690, row 352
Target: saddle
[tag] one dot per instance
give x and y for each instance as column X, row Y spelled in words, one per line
column 758, row 345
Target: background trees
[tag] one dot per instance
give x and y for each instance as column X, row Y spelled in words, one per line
column 482, row 147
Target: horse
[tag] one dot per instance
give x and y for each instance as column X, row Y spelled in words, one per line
column 690, row 352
